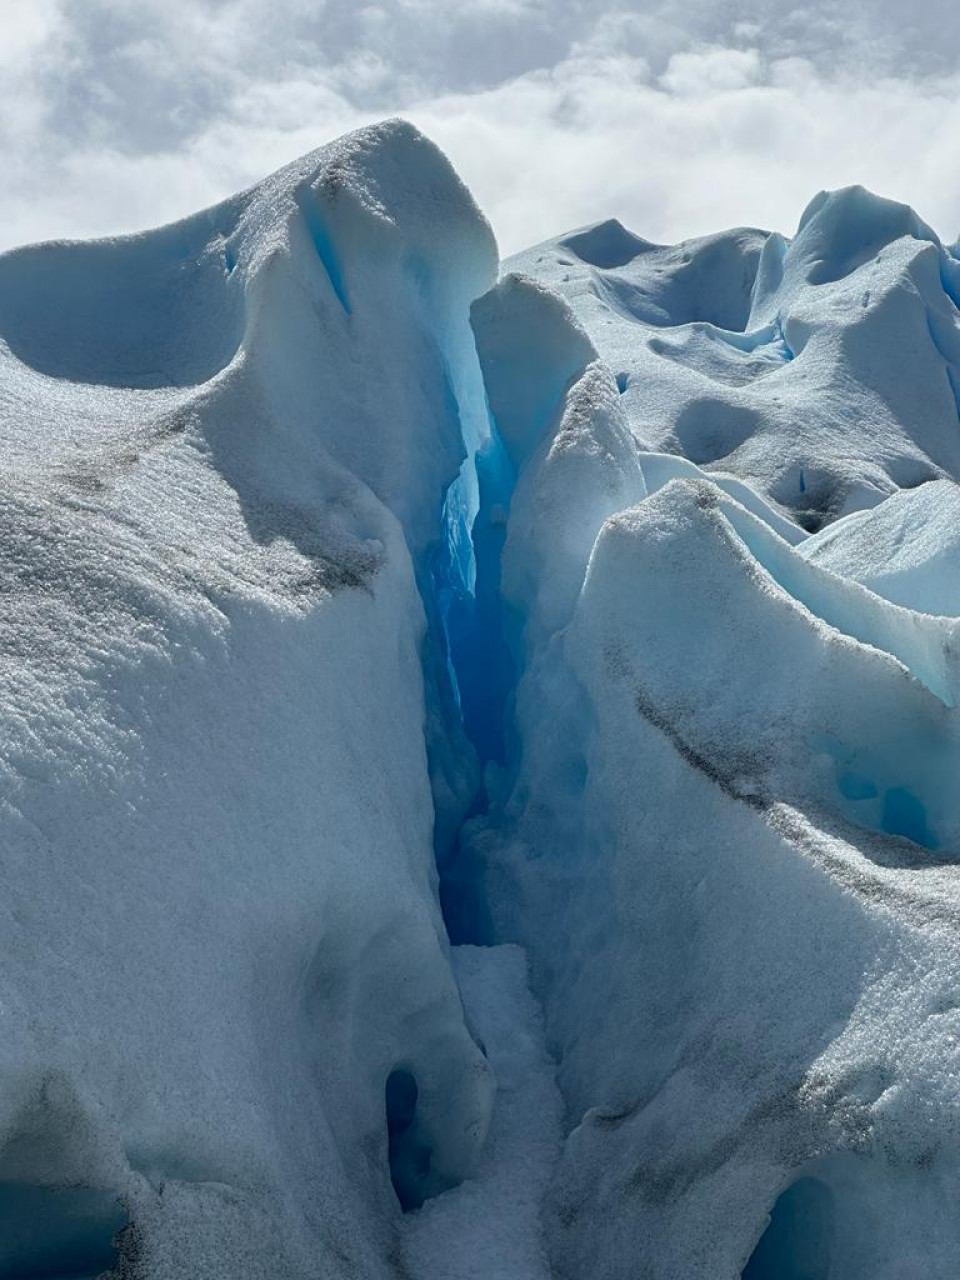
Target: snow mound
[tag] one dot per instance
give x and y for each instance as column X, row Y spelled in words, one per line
column 907, row 549
column 821, row 370
column 226, row 449
column 729, row 844
column 726, row 824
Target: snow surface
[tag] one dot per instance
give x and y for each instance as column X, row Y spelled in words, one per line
column 822, row 370
column 727, row 827
column 220, row 924
column 489, row 1226
column 600, row 613
column 907, row 549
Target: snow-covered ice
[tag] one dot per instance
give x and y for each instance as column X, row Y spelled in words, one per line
column 705, row 340
column 598, row 612
column 726, row 829
column 489, row 1226
column 226, row 446
column 907, row 549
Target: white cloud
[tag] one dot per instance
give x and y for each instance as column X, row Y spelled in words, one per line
column 678, row 117
column 710, row 71
column 26, row 26
column 671, row 165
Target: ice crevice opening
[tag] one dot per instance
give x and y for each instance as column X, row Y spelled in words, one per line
column 466, row 579
column 474, row 646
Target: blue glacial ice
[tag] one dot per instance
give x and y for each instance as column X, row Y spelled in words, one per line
column 479, row 744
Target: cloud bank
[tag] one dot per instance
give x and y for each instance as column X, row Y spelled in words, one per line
column 676, row 118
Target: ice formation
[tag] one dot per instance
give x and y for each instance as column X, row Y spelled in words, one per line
column 225, row 448
column 599, row 613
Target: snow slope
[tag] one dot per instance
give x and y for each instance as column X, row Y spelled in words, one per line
column 225, row 451
column 490, row 1225
column 360, row 596
column 727, row 826
column 822, row 370
column 907, row 549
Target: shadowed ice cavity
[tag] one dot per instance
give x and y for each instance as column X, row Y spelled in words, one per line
column 413, row 1179
column 607, row 245
column 798, row 1243
column 57, row 1233
column 707, row 280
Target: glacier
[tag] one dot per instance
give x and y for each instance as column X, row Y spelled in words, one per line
column 479, row 743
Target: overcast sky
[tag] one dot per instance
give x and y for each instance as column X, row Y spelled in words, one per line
column 677, row 116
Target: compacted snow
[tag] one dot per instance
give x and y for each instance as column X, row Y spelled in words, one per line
column 490, row 1225
column 220, row 924
column 598, row 613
